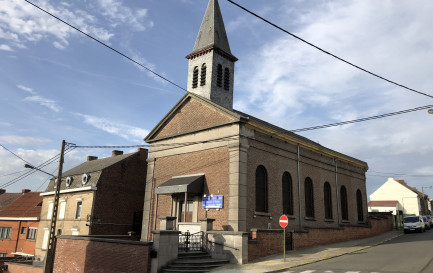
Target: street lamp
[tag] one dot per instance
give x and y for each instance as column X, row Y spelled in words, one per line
column 430, row 111
column 28, row 166
column 49, row 259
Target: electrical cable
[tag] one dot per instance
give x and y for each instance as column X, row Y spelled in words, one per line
column 109, row 47
column 14, row 154
column 326, row 52
column 363, row 119
column 9, row 174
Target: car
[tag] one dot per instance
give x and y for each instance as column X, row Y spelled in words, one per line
column 426, row 222
column 413, row 224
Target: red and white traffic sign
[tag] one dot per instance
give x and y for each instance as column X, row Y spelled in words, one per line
column 284, row 221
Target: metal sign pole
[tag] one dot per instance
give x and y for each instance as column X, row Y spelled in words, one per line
column 284, row 244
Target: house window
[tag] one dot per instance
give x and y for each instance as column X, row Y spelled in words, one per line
column 31, row 235
column 327, row 196
column 359, row 206
column 261, row 189
column 195, row 77
column 50, row 210
column 220, row 75
column 344, row 208
column 75, row 232
column 23, row 230
column 309, row 198
column 287, row 194
column 226, row 79
column 3, row 254
column 62, row 209
column 5, row 233
column 45, row 240
column 203, row 75
column 78, row 211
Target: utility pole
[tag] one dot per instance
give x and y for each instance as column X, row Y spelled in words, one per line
column 49, row 260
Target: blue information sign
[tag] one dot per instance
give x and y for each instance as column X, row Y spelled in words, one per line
column 213, row 202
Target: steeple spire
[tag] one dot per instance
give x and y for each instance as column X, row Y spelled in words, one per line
column 212, row 31
column 211, row 63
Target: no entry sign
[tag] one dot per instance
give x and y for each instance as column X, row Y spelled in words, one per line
column 284, row 221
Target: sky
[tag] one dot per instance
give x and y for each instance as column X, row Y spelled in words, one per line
column 56, row 83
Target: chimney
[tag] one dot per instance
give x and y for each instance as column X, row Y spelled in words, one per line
column 116, row 152
column 2, row 191
column 24, row 191
column 142, row 153
column 91, row 157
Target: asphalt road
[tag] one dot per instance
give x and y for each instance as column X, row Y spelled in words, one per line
column 410, row 253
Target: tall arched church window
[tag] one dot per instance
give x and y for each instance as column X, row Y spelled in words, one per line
column 309, row 197
column 344, row 207
column 220, row 75
column 195, row 77
column 261, row 189
column 287, row 194
column 359, row 206
column 203, row 75
column 226, row 79
column 328, row 200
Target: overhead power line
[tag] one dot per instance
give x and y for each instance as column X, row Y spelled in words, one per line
column 14, row 154
column 362, row 119
column 109, row 47
column 326, row 52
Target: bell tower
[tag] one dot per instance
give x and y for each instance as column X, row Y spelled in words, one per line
column 211, row 63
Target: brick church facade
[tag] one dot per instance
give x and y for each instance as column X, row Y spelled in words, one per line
column 203, row 147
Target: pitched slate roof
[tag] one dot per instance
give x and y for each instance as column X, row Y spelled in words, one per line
column 93, row 167
column 7, row 198
column 383, row 203
column 27, row 205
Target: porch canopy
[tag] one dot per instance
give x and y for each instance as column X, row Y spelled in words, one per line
column 182, row 184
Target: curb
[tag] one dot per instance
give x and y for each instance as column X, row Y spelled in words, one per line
column 334, row 256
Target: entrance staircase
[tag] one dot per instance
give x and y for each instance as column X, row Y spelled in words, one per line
column 194, row 262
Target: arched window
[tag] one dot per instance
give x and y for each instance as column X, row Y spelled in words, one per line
column 261, row 189
column 203, row 75
column 220, row 75
column 195, row 77
column 309, row 197
column 344, row 208
column 226, row 79
column 359, row 206
column 287, row 194
column 327, row 196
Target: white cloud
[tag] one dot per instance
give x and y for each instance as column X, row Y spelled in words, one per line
column 5, row 47
column 21, row 23
column 22, row 140
column 125, row 131
column 117, row 12
column 51, row 104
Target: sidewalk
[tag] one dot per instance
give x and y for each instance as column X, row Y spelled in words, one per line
column 309, row 255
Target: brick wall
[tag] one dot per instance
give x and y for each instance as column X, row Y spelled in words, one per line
column 214, row 163
column 197, row 115
column 77, row 254
column 120, row 194
column 22, row 268
column 269, row 242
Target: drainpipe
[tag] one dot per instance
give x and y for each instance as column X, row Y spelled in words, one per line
column 336, row 191
column 299, row 189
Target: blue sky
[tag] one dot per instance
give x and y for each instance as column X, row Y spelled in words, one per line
column 56, row 83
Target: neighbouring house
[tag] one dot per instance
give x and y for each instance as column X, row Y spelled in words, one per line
column 399, row 197
column 19, row 224
column 208, row 160
column 99, row 197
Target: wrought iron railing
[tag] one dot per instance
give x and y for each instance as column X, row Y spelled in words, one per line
column 191, row 242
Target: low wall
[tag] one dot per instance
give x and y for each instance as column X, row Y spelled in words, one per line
column 87, row 254
column 22, row 268
column 269, row 242
column 228, row 245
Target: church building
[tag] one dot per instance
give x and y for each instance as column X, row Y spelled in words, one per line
column 208, row 160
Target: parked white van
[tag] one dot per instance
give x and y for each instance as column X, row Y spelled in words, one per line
column 413, row 224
